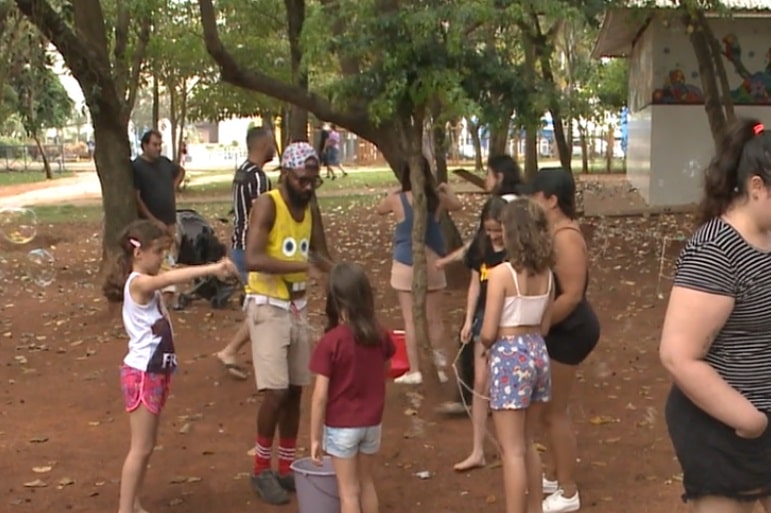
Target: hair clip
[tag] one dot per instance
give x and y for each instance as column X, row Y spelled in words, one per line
column 758, row 129
column 135, row 243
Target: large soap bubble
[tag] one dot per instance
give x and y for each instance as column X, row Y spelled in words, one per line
column 40, row 267
column 18, row 225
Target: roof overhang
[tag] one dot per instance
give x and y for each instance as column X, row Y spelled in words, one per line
column 622, row 26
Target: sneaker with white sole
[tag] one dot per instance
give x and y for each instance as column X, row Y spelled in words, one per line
column 549, row 486
column 558, row 503
column 410, row 378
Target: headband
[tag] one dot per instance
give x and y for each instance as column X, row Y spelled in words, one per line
column 758, row 129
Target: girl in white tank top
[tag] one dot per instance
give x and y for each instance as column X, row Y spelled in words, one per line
column 147, row 367
column 519, row 298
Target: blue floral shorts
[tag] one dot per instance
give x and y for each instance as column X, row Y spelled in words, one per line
column 519, row 372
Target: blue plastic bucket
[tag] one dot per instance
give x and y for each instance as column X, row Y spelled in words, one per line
column 316, row 486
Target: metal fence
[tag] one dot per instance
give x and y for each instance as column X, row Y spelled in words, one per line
column 27, row 157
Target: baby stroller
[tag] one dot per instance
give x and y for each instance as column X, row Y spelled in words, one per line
column 199, row 245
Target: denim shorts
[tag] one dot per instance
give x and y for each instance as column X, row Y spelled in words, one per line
column 239, row 259
column 348, row 442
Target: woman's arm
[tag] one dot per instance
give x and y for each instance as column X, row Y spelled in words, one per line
column 318, row 409
column 571, row 270
column 496, row 293
column 547, row 314
column 455, row 256
column 473, row 296
column 692, row 322
column 144, row 286
column 447, row 198
column 386, row 204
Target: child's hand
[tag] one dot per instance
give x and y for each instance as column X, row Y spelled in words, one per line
column 225, row 269
column 465, row 332
column 317, row 454
column 440, row 264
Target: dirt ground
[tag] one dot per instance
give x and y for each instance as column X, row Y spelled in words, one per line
column 63, row 433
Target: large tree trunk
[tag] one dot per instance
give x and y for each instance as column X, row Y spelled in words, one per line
column 441, row 148
column 531, row 119
column 156, row 101
column 584, row 149
column 113, row 166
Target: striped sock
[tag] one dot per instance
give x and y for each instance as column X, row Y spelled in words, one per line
column 262, row 453
column 286, row 452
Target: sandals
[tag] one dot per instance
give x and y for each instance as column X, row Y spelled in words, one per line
column 233, row 369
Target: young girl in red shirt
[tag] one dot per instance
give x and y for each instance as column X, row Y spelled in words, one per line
column 351, row 361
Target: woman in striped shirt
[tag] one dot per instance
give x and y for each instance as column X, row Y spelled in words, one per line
column 716, row 339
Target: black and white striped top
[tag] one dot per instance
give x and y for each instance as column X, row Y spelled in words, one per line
column 248, row 183
column 718, row 260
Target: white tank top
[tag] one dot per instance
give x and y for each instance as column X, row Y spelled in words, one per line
column 151, row 339
column 522, row 310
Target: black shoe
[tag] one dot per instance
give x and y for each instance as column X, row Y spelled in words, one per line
column 287, row 482
column 269, row 489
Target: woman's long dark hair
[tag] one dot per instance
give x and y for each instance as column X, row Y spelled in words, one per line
column 744, row 151
column 432, row 198
column 349, row 294
column 510, row 177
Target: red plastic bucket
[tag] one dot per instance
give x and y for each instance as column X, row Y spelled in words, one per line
column 400, row 364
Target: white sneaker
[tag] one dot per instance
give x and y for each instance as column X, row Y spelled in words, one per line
column 558, row 503
column 410, row 378
column 549, row 486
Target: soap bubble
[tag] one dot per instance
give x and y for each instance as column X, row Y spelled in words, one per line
column 40, row 267
column 18, row 225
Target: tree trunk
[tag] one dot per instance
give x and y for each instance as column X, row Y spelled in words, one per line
column 432, row 387
column 499, row 139
column 610, row 140
column 171, row 86
column 712, row 104
column 42, row 151
column 584, row 149
column 717, row 58
column 532, row 119
column 113, row 166
column 156, row 102
column 531, row 152
column 298, row 117
column 181, row 123
column 473, row 129
column 440, row 151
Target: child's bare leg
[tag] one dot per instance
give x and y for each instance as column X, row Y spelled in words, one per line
column 368, row 501
column 144, row 430
column 348, row 484
column 533, row 459
column 479, row 407
column 510, row 429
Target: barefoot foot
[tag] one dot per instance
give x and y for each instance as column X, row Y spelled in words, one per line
column 470, row 463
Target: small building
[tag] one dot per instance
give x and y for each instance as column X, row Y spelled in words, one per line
column 670, row 141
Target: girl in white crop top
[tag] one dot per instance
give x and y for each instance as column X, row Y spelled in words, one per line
column 151, row 359
column 519, row 298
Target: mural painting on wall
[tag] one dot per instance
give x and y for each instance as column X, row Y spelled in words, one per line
column 754, row 89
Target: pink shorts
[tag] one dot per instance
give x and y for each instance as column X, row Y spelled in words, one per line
column 146, row 388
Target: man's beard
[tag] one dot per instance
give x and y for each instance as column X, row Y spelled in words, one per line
column 296, row 198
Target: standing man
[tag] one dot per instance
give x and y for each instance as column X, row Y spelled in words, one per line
column 156, row 179
column 249, row 182
column 280, row 256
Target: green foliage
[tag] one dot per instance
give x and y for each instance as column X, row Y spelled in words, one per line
column 41, row 100
column 610, row 82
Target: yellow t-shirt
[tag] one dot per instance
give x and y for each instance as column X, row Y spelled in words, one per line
column 289, row 240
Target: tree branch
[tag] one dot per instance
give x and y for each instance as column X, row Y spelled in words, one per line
column 87, row 62
column 89, row 25
column 233, row 73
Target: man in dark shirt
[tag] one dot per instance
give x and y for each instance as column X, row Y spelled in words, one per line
column 156, row 179
column 248, row 183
